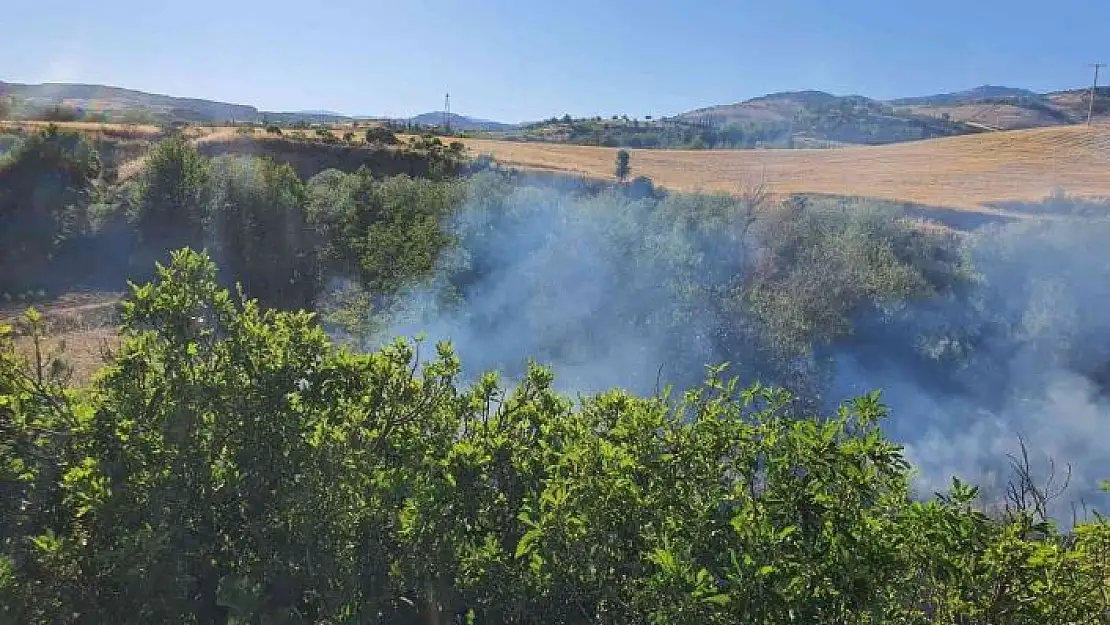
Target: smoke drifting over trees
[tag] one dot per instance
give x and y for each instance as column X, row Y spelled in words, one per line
column 974, row 341
column 230, row 463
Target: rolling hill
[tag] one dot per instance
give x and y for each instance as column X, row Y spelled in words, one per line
column 1006, row 108
column 967, row 96
column 119, row 104
column 988, row 107
column 114, row 101
column 816, row 115
column 805, row 115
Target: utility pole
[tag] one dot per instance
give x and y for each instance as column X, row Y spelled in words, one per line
column 1094, row 87
column 447, row 114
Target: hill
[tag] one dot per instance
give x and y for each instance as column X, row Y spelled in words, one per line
column 968, row 172
column 116, row 104
column 115, row 101
column 820, row 116
column 778, row 120
column 111, row 104
column 1075, row 102
column 1008, row 108
column 857, row 119
column 967, row 96
column 460, row 122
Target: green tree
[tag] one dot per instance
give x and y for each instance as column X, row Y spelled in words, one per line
column 46, row 187
column 259, row 230
column 622, row 169
column 388, row 233
column 172, row 199
column 381, row 135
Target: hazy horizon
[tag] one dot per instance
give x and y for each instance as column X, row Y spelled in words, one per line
column 509, row 62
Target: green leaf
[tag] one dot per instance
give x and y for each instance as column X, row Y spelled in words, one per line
column 527, row 542
column 717, row 599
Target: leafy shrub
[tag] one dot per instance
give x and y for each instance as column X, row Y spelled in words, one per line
column 259, row 230
column 381, row 135
column 172, row 206
column 389, row 233
column 231, row 464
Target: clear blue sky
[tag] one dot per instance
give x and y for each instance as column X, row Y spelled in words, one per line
column 515, row 60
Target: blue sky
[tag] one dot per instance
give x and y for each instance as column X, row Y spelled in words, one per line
column 519, row 60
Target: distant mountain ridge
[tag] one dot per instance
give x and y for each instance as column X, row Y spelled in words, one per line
column 459, row 122
column 987, row 107
column 115, row 101
column 109, row 100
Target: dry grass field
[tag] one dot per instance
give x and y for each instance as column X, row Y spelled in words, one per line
column 967, row 172
column 80, row 329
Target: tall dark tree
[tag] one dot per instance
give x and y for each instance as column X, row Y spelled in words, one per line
column 45, row 191
column 260, row 229
column 623, row 168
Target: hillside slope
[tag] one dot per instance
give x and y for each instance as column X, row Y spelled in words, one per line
column 107, row 99
column 1006, row 108
column 986, row 107
column 822, row 116
column 966, row 172
column 967, row 96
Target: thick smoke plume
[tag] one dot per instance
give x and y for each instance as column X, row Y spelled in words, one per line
column 639, row 293
column 1036, row 331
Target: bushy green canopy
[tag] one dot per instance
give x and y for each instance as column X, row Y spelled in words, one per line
column 231, row 465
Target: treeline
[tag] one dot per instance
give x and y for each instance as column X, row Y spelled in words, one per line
column 843, row 121
column 659, row 134
column 231, row 466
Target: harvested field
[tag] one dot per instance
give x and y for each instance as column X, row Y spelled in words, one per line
column 968, row 172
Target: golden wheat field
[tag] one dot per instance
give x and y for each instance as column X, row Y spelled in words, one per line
column 968, row 172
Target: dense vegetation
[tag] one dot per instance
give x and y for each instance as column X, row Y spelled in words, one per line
column 232, row 463
column 229, row 465
column 63, row 225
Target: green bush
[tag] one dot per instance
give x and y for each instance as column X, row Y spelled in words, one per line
column 382, row 135
column 388, row 233
column 230, row 465
column 259, row 230
column 173, row 196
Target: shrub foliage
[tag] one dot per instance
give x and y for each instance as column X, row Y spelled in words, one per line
column 231, row 465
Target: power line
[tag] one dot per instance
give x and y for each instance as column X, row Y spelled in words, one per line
column 1094, row 86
